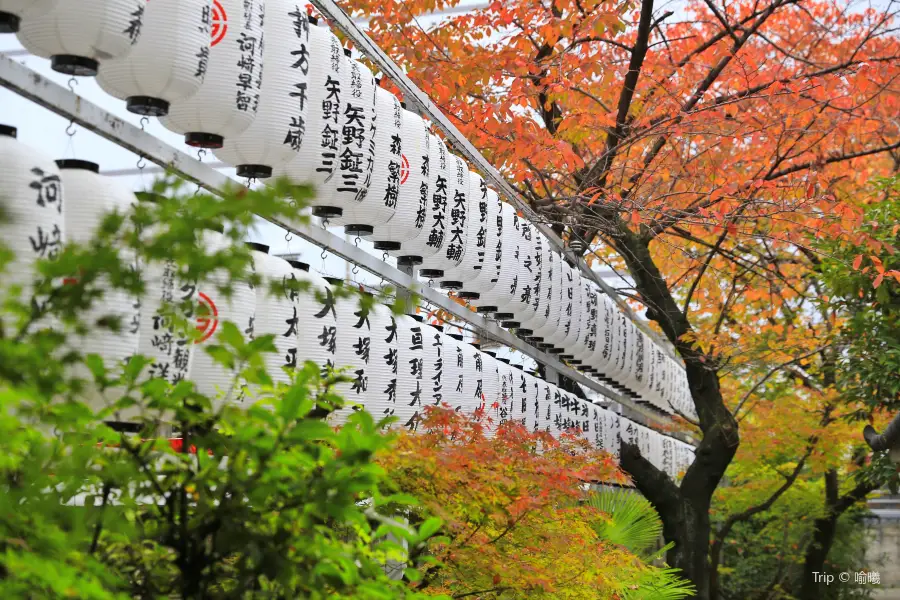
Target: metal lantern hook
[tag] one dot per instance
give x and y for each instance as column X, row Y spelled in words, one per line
column 72, row 83
column 355, row 270
column 70, row 130
column 200, row 154
column 141, row 163
column 323, row 255
column 287, row 236
column 384, row 258
column 356, row 241
column 144, row 122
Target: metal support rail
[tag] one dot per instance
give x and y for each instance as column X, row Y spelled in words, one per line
column 424, row 106
column 58, row 99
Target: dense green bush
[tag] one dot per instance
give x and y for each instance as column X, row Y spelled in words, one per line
column 260, row 500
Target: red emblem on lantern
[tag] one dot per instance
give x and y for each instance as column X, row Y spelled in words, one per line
column 219, row 23
column 207, row 319
column 404, row 169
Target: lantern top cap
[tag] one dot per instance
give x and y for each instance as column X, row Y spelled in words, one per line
column 334, row 280
column 148, row 197
column 347, row 52
column 299, row 265
column 9, row 131
column 418, row 318
column 456, row 336
column 74, row 163
column 258, row 247
column 314, row 20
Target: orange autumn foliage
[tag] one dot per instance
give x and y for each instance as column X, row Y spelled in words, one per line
column 510, row 508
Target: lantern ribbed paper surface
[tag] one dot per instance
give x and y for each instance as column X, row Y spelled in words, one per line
column 277, row 313
column 76, row 35
column 34, row 224
column 551, row 291
column 317, row 332
column 544, row 407
column 508, row 268
column 470, row 398
column 597, row 431
column 226, row 103
column 169, row 61
column 506, row 394
column 89, row 198
column 378, row 203
column 527, row 411
column 434, row 393
column 491, row 389
column 358, row 127
column 407, row 407
column 573, row 334
column 483, row 291
column 478, row 397
column 567, row 307
column 354, row 343
column 169, row 350
column 541, row 282
column 456, row 228
column 431, row 240
column 317, row 162
column 605, row 346
column 413, row 201
column 475, row 222
column 611, row 436
column 585, row 348
column 558, row 411
column 454, row 363
column 639, row 367
column 383, row 367
column 488, row 246
column 277, row 132
column 521, row 289
column 213, row 309
column 13, row 11
column 628, row 378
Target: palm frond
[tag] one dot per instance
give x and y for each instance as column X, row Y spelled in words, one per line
column 631, row 520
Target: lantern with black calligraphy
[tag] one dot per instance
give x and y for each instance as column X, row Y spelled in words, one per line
column 490, row 386
column 430, row 240
column 502, row 262
column 76, row 36
column 471, row 377
column 277, row 311
column 627, row 432
column 597, row 431
column 611, row 436
column 668, row 456
column 377, row 203
column 169, row 61
column 316, row 162
column 354, row 345
column 356, row 159
column 573, row 338
column 541, row 281
column 517, row 307
column 275, row 136
column 407, row 406
column 557, row 339
column 506, row 380
column 454, row 365
column 383, row 368
column 476, row 398
column 33, row 226
column 226, row 103
column 317, row 334
column 413, row 202
column 475, row 225
column 552, row 302
column 488, row 246
column 558, row 411
column 527, row 412
column 13, row 11
column 435, row 392
column 212, row 310
column 584, row 349
column 629, row 379
column 544, row 406
column 604, row 349
column 89, row 198
column 452, row 249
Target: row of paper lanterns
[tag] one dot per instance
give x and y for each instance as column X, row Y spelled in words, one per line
column 396, row 365
column 320, row 118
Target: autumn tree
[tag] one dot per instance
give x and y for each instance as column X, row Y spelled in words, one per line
column 697, row 150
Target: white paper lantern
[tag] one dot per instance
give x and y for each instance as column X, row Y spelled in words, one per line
column 558, row 411
column 13, row 11
column 89, row 198
column 76, row 35
column 505, row 379
column 276, row 134
column 475, row 224
column 277, row 314
column 383, row 368
column 413, row 202
column 518, row 308
column 667, row 456
column 507, row 269
column 431, row 239
column 628, row 432
column 213, row 309
column 604, row 351
column 526, row 397
column 488, row 247
column 545, row 406
column 34, row 225
column 226, row 102
column 552, row 305
column 354, row 342
column 410, row 374
column 490, row 386
column 377, row 203
column 317, row 314
column 456, row 218
column 169, row 61
column 473, row 382
column 454, row 371
column 356, row 159
column 573, row 337
column 598, row 432
column 435, row 393
column 316, row 163
column 541, row 283
column 568, row 298
column 583, row 350
column 611, row 436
